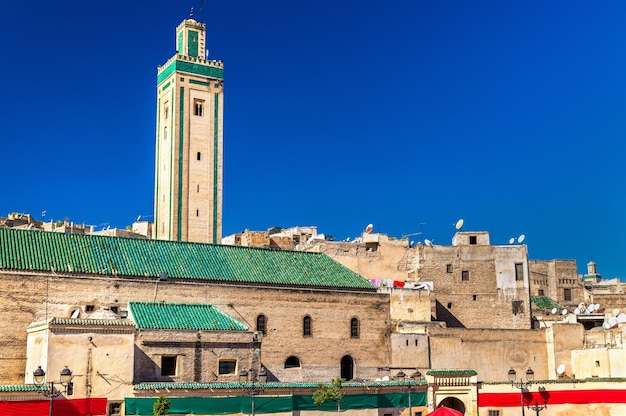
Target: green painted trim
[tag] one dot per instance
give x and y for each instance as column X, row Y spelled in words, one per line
column 215, row 163
column 167, row 84
column 192, row 43
column 193, row 81
column 180, row 164
column 170, row 220
column 158, row 164
column 191, row 68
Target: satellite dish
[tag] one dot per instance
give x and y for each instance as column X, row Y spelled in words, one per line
column 428, row 242
column 369, row 228
column 576, row 311
column 521, row 238
column 621, row 318
column 386, row 378
column 75, row 313
column 459, row 224
column 560, row 369
column 581, row 306
column 615, row 311
column 511, row 241
column 613, row 322
column 554, row 310
column 596, row 306
column 564, row 312
column 606, row 325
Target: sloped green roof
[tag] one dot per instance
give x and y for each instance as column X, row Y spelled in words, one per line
column 182, row 316
column 544, row 302
column 120, row 256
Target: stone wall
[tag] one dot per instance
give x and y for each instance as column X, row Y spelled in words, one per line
column 29, row 297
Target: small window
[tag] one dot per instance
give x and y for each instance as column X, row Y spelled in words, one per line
column 260, row 324
column 115, row 408
column 465, row 275
column 197, row 213
column 166, row 110
column 115, row 309
column 227, row 366
column 416, row 343
column 449, row 268
column 89, row 308
column 449, row 305
column 165, row 133
column 306, row 326
column 198, row 188
column 354, row 328
column 292, row 362
column 494, row 413
column 474, row 297
column 519, row 272
column 541, row 292
column 597, row 363
column 168, row 365
column 567, row 294
column 198, row 107
column 518, row 306
column 198, row 156
column 473, row 240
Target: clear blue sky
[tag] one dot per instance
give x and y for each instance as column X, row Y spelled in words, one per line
column 405, row 114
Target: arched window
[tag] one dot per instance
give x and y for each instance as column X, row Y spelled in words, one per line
column 306, row 326
column 292, row 362
column 260, row 324
column 354, row 328
column 347, row 368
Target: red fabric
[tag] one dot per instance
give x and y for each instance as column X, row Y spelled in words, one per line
column 397, row 283
column 445, row 411
column 74, row 407
column 552, row 397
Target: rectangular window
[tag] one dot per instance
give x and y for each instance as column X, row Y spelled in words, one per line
column 567, row 294
column 227, row 366
column 494, row 413
column 115, row 408
column 473, row 239
column 518, row 306
column 168, row 365
column 519, row 272
column 449, row 268
column 540, row 292
column 89, row 308
column 166, row 110
column 198, row 107
column 465, row 275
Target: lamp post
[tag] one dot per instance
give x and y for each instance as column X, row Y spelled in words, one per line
column 521, row 384
column 254, row 386
column 401, row 377
column 39, row 378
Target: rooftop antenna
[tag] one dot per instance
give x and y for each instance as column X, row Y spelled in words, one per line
column 191, row 13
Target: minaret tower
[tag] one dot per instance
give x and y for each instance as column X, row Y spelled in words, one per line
column 189, row 125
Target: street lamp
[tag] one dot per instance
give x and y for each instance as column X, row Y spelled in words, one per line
column 401, row 377
column 254, row 386
column 39, row 378
column 521, row 384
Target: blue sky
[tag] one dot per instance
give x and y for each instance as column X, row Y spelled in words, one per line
column 408, row 115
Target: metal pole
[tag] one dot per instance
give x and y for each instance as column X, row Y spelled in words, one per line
column 253, row 398
column 410, row 405
column 522, row 395
column 51, row 397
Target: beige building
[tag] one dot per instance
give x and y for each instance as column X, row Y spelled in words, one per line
column 189, row 141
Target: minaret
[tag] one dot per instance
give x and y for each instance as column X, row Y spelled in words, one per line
column 189, row 125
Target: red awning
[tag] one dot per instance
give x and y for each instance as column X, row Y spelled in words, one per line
column 73, row 407
column 445, row 411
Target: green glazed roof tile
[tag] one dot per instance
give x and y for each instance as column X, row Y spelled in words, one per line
column 130, row 257
column 182, row 316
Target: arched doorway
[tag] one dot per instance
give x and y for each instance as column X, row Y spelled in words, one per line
column 347, row 368
column 453, row 403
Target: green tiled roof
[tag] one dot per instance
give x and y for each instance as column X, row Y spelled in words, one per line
column 544, row 302
column 119, row 256
column 21, row 387
column 452, row 372
column 270, row 385
column 183, row 316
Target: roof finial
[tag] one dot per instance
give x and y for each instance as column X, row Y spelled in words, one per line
column 191, row 13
